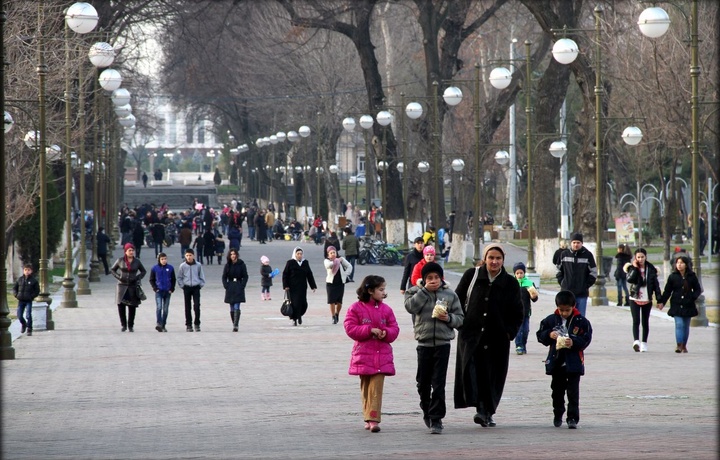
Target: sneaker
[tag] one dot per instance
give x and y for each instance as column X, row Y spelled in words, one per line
column 124, row 328
column 572, row 424
column 189, row 329
column 643, row 347
column 557, row 422
column 636, row 345
column 436, row 428
column 374, row 427
column 519, row 350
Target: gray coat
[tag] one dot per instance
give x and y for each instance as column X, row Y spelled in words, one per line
column 429, row 331
column 128, row 279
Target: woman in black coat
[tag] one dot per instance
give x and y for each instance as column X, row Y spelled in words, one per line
column 128, row 270
column 234, row 280
column 682, row 290
column 643, row 279
column 295, row 278
column 493, row 314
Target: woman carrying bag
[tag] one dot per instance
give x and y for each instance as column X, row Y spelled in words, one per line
column 128, row 270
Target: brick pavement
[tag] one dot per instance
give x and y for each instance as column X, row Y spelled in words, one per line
column 88, row 391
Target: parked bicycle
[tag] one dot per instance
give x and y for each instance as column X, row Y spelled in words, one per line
column 374, row 251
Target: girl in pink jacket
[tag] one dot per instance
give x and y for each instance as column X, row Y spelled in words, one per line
column 371, row 324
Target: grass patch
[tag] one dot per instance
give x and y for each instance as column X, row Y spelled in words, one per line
column 713, row 314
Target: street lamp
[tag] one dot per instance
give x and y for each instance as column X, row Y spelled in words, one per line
column 565, row 51
column 653, row 23
column 558, row 149
column 82, row 18
column 6, row 349
column 501, row 81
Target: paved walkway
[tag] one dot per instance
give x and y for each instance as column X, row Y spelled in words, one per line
column 88, row 391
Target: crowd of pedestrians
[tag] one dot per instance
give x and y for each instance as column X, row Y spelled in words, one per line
column 488, row 310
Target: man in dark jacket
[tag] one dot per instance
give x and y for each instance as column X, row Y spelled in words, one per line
column 102, row 248
column 412, row 258
column 25, row 289
column 577, row 271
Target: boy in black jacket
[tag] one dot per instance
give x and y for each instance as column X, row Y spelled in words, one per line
column 567, row 333
column 25, row 289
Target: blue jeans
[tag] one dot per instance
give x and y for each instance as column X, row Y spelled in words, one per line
column 162, row 302
column 581, row 304
column 522, row 335
column 158, row 248
column 25, row 306
column 682, row 329
column 622, row 287
column 251, row 232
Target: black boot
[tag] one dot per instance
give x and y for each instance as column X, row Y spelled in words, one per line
column 236, row 320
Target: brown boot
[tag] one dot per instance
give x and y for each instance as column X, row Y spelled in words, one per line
column 678, row 347
column 684, row 348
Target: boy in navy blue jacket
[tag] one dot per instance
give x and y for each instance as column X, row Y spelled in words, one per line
column 567, row 333
column 162, row 280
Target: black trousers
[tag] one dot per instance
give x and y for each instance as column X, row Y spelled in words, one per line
column 192, row 293
column 103, row 259
column 129, row 320
column 566, row 382
column 639, row 312
column 430, row 378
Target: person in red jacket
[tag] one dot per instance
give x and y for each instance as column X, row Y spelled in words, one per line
column 428, row 256
column 371, row 323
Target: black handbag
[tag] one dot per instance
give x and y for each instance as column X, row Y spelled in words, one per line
column 286, row 309
column 140, row 293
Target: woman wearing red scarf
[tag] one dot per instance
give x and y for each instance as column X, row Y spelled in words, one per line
column 128, row 270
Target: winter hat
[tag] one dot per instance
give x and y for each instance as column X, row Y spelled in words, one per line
column 264, row 260
column 492, row 246
column 431, row 267
column 428, row 250
column 330, row 248
column 128, row 246
column 577, row 237
column 519, row 266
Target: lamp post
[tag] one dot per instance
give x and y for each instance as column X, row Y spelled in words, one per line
column 565, row 51
column 384, row 118
column 44, row 296
column 6, row 349
column 453, row 96
column 501, row 80
column 423, row 167
column 558, row 149
column 653, row 23
column 82, row 18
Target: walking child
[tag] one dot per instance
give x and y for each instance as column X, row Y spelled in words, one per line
column 371, row 323
column 162, row 280
column 191, row 278
column 568, row 333
column 266, row 277
column 528, row 292
column 437, row 312
column 25, row 289
column 219, row 248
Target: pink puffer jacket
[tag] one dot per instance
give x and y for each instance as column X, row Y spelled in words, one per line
column 370, row 355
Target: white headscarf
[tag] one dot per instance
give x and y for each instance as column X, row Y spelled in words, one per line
column 298, row 248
